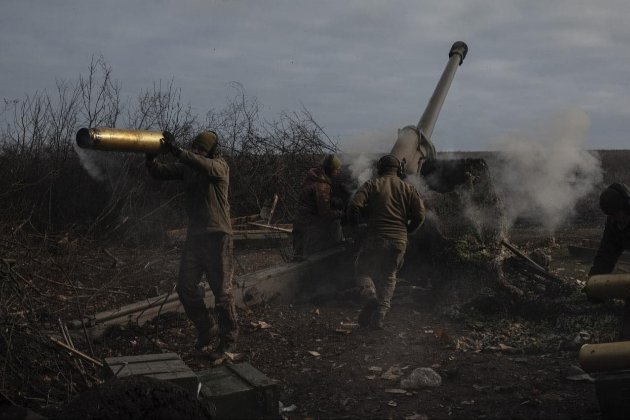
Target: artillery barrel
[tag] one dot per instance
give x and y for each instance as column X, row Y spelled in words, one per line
column 120, row 140
column 429, row 117
column 414, row 143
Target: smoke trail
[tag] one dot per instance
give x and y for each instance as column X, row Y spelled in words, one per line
column 89, row 162
column 541, row 177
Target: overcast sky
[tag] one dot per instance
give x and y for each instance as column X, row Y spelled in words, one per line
column 362, row 68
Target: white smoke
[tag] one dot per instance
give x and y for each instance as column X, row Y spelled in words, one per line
column 90, row 163
column 362, row 168
column 541, row 176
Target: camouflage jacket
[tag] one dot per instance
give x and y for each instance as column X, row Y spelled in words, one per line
column 206, row 184
column 314, row 203
column 614, row 242
column 391, row 206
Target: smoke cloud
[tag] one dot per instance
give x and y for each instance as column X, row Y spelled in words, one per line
column 541, row 176
column 90, row 163
column 362, row 168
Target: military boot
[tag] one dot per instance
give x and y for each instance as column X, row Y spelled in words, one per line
column 206, row 329
column 367, row 313
column 205, row 335
column 222, row 348
column 376, row 323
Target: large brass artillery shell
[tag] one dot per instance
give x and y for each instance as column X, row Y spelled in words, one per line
column 604, row 286
column 605, row 357
column 120, row 140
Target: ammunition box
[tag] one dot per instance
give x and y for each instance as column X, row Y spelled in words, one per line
column 165, row 366
column 240, row 391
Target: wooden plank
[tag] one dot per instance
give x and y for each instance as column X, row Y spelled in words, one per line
column 164, row 366
column 272, row 227
column 281, row 282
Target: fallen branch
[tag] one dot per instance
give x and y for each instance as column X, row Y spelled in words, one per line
column 117, row 261
column 90, row 289
column 272, row 227
column 532, row 265
column 521, row 255
column 76, row 352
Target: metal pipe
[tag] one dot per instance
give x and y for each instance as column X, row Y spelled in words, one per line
column 120, row 140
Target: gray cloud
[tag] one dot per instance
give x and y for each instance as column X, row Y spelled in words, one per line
column 360, row 66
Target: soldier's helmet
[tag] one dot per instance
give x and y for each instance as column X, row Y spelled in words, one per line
column 615, row 198
column 207, row 141
column 387, row 163
column 331, row 163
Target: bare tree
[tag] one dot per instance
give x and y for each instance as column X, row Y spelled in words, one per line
column 266, row 157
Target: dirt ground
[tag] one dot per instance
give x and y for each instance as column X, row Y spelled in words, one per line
column 492, row 364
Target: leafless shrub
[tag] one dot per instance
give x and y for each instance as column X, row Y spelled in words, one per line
column 44, row 186
column 267, row 157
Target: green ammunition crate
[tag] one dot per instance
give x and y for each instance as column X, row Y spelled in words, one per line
column 240, row 391
column 164, row 366
column 613, row 393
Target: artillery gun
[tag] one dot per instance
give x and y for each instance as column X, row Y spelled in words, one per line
column 459, row 246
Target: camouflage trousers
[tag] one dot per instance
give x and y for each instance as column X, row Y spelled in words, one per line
column 376, row 267
column 312, row 237
column 211, row 254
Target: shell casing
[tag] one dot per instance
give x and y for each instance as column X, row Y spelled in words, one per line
column 120, row 140
column 605, row 356
column 605, row 286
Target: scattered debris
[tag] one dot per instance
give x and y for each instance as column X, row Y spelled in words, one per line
column 235, row 357
column 288, row 409
column 416, row 416
column 420, row 378
column 392, row 374
column 260, row 325
column 396, row 391
column 577, row 374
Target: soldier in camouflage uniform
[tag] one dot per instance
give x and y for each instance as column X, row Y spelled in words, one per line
column 209, row 248
column 317, row 223
column 615, row 203
column 393, row 210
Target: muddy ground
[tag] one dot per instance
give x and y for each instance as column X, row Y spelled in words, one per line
column 492, row 363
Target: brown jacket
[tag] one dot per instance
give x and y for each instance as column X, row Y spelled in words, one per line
column 206, row 184
column 393, row 208
column 614, row 242
column 315, row 199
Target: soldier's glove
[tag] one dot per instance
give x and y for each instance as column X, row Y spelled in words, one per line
column 170, row 145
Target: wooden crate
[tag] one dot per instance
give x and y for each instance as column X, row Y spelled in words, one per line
column 240, row 391
column 164, row 366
